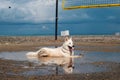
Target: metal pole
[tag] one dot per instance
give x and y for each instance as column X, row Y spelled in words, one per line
column 56, row 20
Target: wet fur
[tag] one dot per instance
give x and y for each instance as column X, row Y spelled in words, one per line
column 63, row 51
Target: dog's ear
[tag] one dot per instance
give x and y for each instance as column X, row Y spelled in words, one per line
column 66, row 38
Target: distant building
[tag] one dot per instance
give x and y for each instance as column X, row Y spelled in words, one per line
column 117, row 33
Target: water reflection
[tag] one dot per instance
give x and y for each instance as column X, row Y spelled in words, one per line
column 52, row 65
column 67, row 64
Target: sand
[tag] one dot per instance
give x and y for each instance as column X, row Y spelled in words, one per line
column 106, row 43
column 32, row 43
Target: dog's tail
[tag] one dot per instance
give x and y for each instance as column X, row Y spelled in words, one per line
column 33, row 54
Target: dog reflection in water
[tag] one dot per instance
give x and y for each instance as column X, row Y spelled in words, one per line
column 66, row 63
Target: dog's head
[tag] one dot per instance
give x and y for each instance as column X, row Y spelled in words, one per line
column 69, row 43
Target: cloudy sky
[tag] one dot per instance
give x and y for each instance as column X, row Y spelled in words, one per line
column 27, row 11
column 32, row 12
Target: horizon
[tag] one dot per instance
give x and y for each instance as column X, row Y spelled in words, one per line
column 26, row 18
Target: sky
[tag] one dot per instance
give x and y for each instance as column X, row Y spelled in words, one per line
column 33, row 13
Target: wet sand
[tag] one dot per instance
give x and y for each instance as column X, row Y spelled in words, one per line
column 10, row 70
column 87, row 43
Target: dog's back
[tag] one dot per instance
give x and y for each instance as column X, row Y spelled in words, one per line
column 64, row 51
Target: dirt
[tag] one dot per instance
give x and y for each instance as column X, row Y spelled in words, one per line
column 88, row 43
column 11, row 70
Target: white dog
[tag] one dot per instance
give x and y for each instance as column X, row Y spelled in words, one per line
column 66, row 50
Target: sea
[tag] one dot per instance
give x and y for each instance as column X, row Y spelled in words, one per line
column 48, row 29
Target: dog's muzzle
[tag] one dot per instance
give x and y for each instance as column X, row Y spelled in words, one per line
column 71, row 47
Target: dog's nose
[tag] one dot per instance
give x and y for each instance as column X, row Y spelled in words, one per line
column 73, row 46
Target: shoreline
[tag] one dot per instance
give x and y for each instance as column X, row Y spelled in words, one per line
column 89, row 43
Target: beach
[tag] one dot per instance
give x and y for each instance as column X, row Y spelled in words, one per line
column 14, row 43
column 101, row 43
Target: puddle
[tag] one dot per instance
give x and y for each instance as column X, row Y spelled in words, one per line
column 49, row 66
column 102, row 56
column 17, row 56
